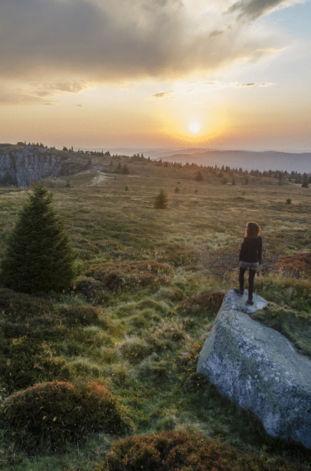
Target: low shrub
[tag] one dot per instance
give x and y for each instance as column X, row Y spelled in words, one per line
column 28, row 326
column 286, row 291
column 115, row 276
column 187, row 360
column 297, row 265
column 25, row 315
column 180, row 255
column 203, row 303
column 22, row 307
column 182, row 451
column 154, row 369
column 166, row 333
column 24, row 362
column 79, row 314
column 48, row 415
column 135, row 350
column 90, row 288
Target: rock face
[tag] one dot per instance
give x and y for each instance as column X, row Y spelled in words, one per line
column 259, row 369
column 23, row 165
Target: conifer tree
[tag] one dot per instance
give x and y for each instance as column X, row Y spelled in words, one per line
column 199, row 177
column 161, row 200
column 38, row 257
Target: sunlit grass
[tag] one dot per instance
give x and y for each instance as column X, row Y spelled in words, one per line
column 143, row 340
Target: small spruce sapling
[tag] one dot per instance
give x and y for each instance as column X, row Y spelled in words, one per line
column 161, row 200
column 38, row 256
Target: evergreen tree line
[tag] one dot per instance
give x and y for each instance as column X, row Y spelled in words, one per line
column 222, row 171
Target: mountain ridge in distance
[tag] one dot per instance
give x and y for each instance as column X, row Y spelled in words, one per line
column 246, row 159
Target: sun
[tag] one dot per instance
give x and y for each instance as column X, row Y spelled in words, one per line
column 194, row 127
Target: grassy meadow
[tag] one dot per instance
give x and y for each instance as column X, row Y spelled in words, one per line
column 149, row 285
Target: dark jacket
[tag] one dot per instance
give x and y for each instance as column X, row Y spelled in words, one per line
column 251, row 250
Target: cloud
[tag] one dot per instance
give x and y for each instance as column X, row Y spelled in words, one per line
column 161, row 94
column 51, row 88
column 17, row 97
column 69, row 43
column 91, row 38
column 254, row 85
column 36, row 92
column 218, row 84
column 253, row 9
column 216, row 32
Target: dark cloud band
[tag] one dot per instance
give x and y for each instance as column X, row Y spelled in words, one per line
column 254, row 8
column 106, row 40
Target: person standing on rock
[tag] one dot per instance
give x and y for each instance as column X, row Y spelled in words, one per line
column 250, row 259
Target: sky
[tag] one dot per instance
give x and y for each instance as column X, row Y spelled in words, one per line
column 156, row 73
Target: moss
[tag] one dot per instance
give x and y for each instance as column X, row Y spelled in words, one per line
column 48, row 415
column 182, row 451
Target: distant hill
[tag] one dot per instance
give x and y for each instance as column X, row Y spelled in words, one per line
column 22, row 164
column 248, row 160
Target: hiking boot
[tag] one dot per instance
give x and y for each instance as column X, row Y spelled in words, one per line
column 250, row 302
column 238, row 292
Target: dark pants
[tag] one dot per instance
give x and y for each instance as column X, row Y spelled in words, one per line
column 251, row 277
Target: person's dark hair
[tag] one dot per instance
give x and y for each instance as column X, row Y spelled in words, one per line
column 252, row 230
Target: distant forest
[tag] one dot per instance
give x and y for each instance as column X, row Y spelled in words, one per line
column 120, row 164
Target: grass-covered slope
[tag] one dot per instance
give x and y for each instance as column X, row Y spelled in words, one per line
column 295, row 325
column 148, row 288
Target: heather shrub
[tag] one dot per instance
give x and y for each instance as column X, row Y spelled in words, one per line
column 90, row 288
column 28, row 325
column 206, row 302
column 135, row 350
column 286, row 291
column 182, row 451
column 297, row 265
column 81, row 314
column 180, row 255
column 24, row 362
column 116, row 276
column 22, row 315
column 48, row 415
column 22, row 307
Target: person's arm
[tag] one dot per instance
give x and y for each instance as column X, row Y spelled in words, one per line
column 260, row 250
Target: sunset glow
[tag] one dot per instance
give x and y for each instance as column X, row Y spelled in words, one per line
column 221, row 73
column 194, row 127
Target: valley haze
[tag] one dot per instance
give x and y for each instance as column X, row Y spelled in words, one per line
column 245, row 159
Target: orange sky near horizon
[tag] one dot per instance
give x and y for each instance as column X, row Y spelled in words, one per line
column 240, row 79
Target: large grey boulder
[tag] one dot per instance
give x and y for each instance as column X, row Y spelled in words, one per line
column 259, row 369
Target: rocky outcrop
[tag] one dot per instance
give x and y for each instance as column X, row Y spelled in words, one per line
column 24, row 165
column 259, row 369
